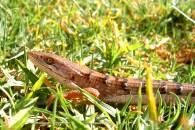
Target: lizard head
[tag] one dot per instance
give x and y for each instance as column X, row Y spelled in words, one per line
column 59, row 68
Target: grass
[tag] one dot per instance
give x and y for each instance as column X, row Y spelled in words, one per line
column 120, row 38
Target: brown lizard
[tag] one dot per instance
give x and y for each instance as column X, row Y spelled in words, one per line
column 107, row 88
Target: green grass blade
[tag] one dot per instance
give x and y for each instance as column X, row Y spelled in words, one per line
column 20, row 118
column 105, row 108
column 54, row 113
column 33, row 78
column 173, row 119
column 76, row 124
column 36, row 86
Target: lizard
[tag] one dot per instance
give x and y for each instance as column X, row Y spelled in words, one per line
column 106, row 87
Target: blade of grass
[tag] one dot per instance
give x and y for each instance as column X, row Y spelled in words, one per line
column 64, row 103
column 124, row 109
column 139, row 107
column 20, row 118
column 8, row 95
column 174, row 7
column 170, row 121
column 151, row 100
column 90, row 118
column 105, row 108
column 76, row 124
column 36, row 86
column 33, row 78
column 54, row 113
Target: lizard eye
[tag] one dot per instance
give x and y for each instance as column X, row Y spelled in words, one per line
column 49, row 61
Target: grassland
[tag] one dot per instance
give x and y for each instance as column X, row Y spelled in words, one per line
column 119, row 38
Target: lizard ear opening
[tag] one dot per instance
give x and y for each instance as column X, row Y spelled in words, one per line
column 49, row 61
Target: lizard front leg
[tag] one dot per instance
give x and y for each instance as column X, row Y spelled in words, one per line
column 77, row 96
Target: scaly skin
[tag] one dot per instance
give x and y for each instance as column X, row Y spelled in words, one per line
column 107, row 88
